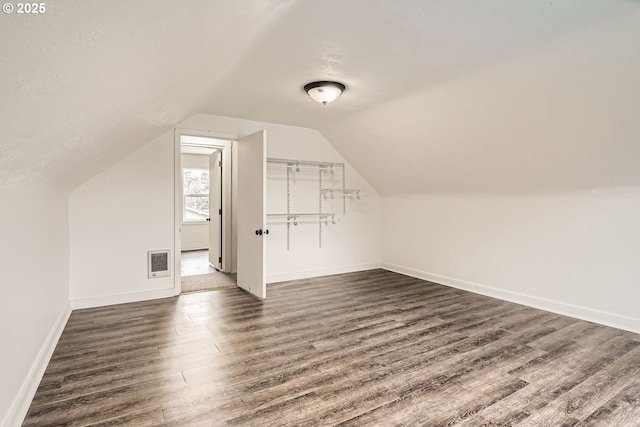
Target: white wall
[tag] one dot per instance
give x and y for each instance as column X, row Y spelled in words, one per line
column 34, row 261
column 195, row 235
column 115, row 219
column 570, row 253
column 127, row 210
column 351, row 244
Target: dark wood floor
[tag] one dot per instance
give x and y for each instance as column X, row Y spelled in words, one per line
column 369, row 348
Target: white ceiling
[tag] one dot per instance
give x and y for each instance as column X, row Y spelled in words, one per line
column 443, row 96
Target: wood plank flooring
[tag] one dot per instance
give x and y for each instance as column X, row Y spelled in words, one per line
column 367, row 348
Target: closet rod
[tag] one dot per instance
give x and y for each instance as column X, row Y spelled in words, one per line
column 302, row 163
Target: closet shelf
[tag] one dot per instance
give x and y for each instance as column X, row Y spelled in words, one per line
column 341, row 192
column 328, row 174
column 299, row 218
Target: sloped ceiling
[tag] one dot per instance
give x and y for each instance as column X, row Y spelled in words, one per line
column 443, row 96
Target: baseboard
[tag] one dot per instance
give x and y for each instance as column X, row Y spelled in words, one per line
column 20, row 406
column 273, row 278
column 121, row 298
column 591, row 315
column 195, row 247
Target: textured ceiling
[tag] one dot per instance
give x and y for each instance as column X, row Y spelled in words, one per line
column 443, row 96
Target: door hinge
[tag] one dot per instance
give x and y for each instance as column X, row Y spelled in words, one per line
column 220, row 163
column 220, row 259
column 219, row 211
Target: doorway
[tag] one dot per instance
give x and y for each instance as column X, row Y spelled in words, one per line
column 203, row 195
column 243, row 238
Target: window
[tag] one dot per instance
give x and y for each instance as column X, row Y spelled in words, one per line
column 195, row 194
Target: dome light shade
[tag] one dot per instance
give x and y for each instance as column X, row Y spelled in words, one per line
column 324, row 92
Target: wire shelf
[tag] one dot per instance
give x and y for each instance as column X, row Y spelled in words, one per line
column 301, row 218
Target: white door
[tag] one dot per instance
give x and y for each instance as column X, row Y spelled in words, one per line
column 215, row 210
column 251, row 202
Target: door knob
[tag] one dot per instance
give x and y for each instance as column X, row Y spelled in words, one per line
column 258, row 232
column 266, row 231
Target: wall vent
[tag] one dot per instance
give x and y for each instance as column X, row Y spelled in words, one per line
column 158, row 263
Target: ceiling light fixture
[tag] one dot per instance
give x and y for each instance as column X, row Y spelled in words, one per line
column 324, row 92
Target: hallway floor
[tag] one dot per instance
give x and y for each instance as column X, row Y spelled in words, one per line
column 193, row 263
column 198, row 275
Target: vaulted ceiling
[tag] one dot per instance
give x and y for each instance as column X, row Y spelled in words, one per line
column 443, row 96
